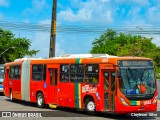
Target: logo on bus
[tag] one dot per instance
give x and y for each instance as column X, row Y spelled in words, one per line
column 147, row 102
column 89, row 89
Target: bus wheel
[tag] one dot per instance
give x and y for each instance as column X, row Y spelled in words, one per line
column 40, row 100
column 90, row 106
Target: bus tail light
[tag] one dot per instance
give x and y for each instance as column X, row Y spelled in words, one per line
column 155, row 100
column 123, row 101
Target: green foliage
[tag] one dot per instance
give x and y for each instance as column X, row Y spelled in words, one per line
column 127, row 45
column 12, row 48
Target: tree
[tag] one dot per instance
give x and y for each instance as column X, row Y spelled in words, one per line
column 12, row 48
column 121, row 44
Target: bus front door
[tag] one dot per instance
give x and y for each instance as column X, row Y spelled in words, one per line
column 109, row 90
column 53, row 78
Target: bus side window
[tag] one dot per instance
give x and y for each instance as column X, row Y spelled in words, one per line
column 37, row 72
column 92, row 74
column 17, row 72
column 77, row 73
column 64, row 73
column 11, row 72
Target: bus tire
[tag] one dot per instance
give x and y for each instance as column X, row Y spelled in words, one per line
column 40, row 100
column 90, row 106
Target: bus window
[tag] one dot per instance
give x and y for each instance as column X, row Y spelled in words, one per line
column 77, row 73
column 113, row 81
column 64, row 73
column 17, row 72
column 44, row 72
column 106, row 80
column 92, row 74
column 14, row 72
column 37, row 72
column 11, row 72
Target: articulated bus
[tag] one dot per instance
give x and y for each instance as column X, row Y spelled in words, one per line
column 88, row 82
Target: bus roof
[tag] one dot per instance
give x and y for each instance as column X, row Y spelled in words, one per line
column 78, row 59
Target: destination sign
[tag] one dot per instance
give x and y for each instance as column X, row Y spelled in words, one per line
column 132, row 63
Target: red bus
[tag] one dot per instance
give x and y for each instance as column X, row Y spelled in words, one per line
column 87, row 82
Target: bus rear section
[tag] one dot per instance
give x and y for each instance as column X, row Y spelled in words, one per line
column 12, row 79
column 1, row 77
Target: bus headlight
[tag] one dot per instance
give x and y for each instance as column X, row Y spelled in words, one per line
column 123, row 101
column 155, row 100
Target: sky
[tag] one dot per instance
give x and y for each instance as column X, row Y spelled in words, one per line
column 93, row 15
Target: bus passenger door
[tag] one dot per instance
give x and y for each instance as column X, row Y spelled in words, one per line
column 109, row 90
column 6, row 83
column 53, row 78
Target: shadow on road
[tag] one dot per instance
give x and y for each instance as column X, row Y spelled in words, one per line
column 69, row 112
column 1, row 94
column 24, row 103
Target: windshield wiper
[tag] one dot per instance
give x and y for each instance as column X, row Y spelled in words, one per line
column 132, row 75
column 142, row 75
column 128, row 79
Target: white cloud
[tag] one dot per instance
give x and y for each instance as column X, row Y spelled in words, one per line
column 59, row 51
column 89, row 11
column 4, row 3
column 153, row 14
column 46, row 21
column 37, row 5
column 133, row 2
column 41, row 41
column 69, row 15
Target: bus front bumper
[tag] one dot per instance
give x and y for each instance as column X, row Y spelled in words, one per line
column 136, row 109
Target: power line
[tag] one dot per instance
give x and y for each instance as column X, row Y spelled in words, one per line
column 80, row 29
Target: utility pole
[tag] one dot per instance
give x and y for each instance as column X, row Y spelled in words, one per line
column 53, row 30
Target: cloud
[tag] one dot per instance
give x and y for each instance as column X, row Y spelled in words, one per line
column 135, row 12
column 37, row 5
column 133, row 2
column 46, row 21
column 4, row 3
column 153, row 14
column 89, row 11
column 41, row 41
column 68, row 15
column 59, row 51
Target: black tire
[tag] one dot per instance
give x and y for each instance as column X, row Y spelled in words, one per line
column 40, row 100
column 90, row 107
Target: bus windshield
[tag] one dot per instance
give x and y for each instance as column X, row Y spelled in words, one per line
column 137, row 81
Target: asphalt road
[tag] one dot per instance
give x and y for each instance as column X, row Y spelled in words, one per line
column 60, row 113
